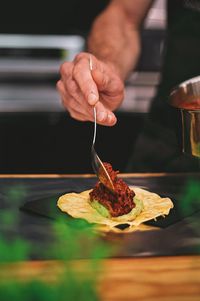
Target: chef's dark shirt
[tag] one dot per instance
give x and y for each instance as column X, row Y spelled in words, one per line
column 182, row 59
column 158, row 147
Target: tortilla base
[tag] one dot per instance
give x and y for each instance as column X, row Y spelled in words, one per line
column 78, row 206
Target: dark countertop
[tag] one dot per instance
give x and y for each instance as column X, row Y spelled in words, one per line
column 16, row 190
column 159, row 265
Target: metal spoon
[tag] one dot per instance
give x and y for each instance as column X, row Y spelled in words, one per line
column 97, row 164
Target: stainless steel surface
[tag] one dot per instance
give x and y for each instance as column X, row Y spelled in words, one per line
column 29, row 67
column 157, row 16
column 27, row 81
column 191, row 132
column 69, row 44
column 186, row 97
column 42, row 97
column 18, row 98
column 97, row 164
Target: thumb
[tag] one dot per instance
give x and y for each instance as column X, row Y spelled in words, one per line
column 102, row 80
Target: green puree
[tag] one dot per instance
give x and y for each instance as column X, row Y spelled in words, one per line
column 126, row 217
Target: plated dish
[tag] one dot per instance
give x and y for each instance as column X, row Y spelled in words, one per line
column 128, row 205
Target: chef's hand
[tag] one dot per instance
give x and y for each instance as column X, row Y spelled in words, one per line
column 81, row 88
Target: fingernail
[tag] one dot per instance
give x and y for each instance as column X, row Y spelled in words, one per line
column 92, row 99
column 110, row 118
column 101, row 116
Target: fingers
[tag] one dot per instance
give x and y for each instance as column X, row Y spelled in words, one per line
column 80, row 72
column 105, row 82
column 81, row 88
column 80, row 110
column 83, row 77
column 76, row 106
column 105, row 116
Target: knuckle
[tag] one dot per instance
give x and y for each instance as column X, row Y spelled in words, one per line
column 117, row 87
column 64, row 68
column 120, row 86
column 80, row 56
column 104, row 81
column 59, row 85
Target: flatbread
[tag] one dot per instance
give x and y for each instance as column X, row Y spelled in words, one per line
column 78, row 206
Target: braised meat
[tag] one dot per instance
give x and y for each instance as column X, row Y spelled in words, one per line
column 119, row 203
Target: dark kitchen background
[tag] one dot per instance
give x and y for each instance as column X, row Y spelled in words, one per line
column 37, row 134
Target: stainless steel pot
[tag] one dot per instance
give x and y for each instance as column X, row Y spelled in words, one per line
column 186, row 97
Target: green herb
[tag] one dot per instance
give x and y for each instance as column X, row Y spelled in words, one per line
column 73, row 239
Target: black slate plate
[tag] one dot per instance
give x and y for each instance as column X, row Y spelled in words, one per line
column 177, row 234
column 47, row 207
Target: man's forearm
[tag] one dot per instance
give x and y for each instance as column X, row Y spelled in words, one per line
column 115, row 39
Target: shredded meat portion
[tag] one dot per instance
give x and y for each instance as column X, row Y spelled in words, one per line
column 118, row 203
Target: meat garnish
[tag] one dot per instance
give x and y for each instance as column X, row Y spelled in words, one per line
column 118, row 203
